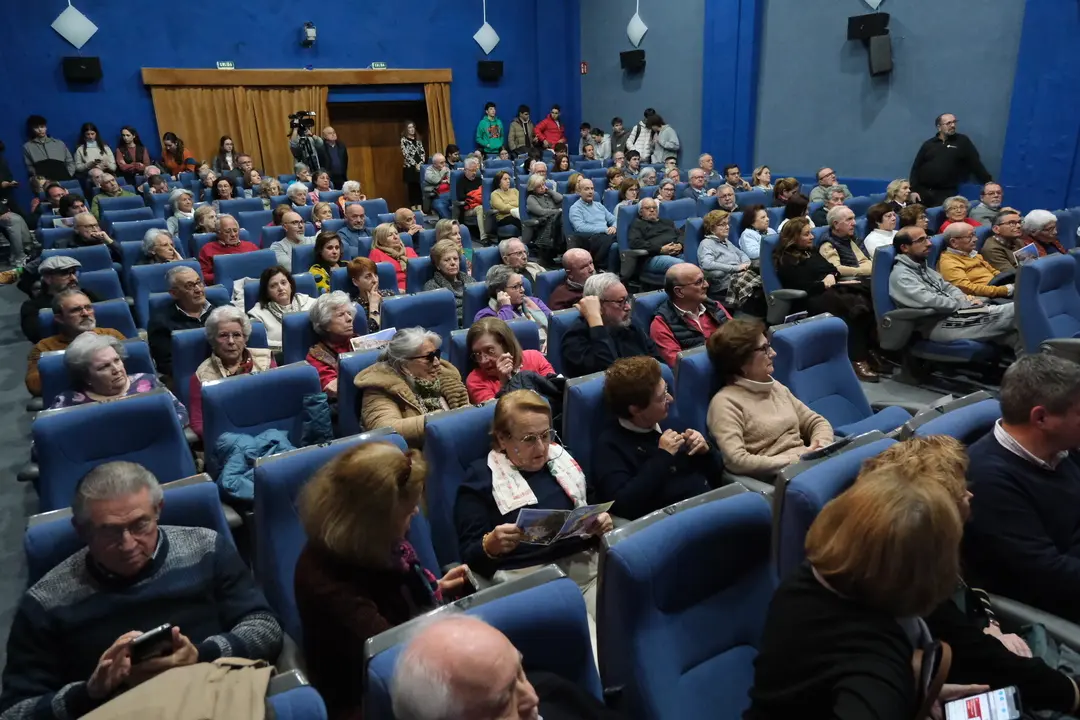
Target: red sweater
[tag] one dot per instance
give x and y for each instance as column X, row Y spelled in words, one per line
column 214, row 248
column 378, row 256
column 665, row 339
column 970, row 221
column 483, row 388
column 550, row 131
column 328, row 373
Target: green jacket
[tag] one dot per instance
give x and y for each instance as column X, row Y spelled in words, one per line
column 489, row 134
column 95, row 206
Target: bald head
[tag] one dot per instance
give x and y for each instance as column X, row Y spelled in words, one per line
column 578, row 264
column 404, row 218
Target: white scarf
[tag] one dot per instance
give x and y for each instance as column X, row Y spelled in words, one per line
column 512, row 491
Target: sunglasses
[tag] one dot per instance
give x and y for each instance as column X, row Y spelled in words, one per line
column 433, row 356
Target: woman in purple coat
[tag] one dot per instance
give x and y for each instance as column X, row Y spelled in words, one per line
column 508, row 301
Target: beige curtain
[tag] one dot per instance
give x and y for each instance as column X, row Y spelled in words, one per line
column 270, row 109
column 440, row 126
column 201, row 115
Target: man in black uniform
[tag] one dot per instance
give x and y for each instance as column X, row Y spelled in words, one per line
column 943, row 162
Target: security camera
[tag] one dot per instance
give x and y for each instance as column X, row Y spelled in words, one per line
column 307, row 35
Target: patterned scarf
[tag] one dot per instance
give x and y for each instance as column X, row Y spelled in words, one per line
column 406, row 561
column 511, row 490
column 429, row 393
column 278, row 310
column 397, row 253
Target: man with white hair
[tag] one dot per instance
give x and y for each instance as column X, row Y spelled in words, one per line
column 592, row 224
column 461, row 668
column 603, row 333
column 88, row 232
column 706, row 163
column 989, row 204
column 437, row 185
column 696, row 189
column 579, row 267
column 835, row 198
column 539, row 167
column 516, row 256
column 963, row 266
column 228, row 242
column 470, row 193
column 189, row 309
column 842, row 247
column 405, row 222
column 1040, row 227
column 74, row 314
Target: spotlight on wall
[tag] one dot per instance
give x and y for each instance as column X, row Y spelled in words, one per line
column 307, row 35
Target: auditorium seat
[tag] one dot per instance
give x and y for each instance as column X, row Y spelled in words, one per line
column 546, row 282
column 981, row 234
column 190, row 348
column 279, row 535
column 103, row 283
column 239, row 205
column 750, row 197
column 70, row 442
column 526, row 331
column 812, row 361
column 693, row 233
column 859, row 205
column 296, row 699
column 374, row 206
column 644, row 307
column 109, row 217
column 159, row 204
column 55, row 378
column 682, row 604
column 935, row 216
column 110, row 204
column 186, row 230
column 630, row 260
column 134, row 230
column 434, row 310
column 611, row 200
column 483, row 260
column 230, row 268
column 148, row 279
column 114, row 313
column 91, row 257
column 568, row 202
column 452, row 441
column 52, row 237
column 937, row 246
column 967, row 419
column 734, row 232
column 558, row 324
column 189, row 502
column 1048, row 305
column 254, row 221
column 706, row 205
column 803, row 489
column 417, row 272
column 678, row 211
column 543, row 615
column 349, row 366
column 696, row 382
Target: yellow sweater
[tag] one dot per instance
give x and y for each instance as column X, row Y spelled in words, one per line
column 503, row 201
column 762, row 428
column 970, row 273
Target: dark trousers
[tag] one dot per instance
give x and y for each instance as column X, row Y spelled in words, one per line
column 337, row 180
column 598, row 246
column 411, row 176
column 933, row 197
column 852, row 304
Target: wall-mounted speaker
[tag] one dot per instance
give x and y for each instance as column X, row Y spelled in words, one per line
column 82, row 69
column 863, row 27
column 632, row 61
column 880, row 55
column 489, row 70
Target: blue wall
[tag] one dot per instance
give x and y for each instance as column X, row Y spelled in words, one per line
column 671, row 82
column 817, row 104
column 198, row 33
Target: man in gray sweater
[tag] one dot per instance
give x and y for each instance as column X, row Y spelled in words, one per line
column 957, row 316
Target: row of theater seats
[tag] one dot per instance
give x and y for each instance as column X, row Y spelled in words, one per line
column 682, row 593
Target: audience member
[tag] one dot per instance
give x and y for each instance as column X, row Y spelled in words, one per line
column 328, row 254
column 592, row 223
column 410, row 381
column 174, row 156
column 708, row 165
column 615, row 176
column 277, row 297
column 332, row 317
column 604, row 332
column 452, row 154
column 956, row 210
column 470, row 195
column 1000, row 248
column 696, row 189
column 504, row 202
column 842, row 247
column 92, row 152
column 447, row 229
column 1040, row 228
column 647, row 177
column 351, row 192
column 733, row 179
column 58, row 273
column 834, row 198
column 656, row 236
column 964, row 267
column 496, row 359
column 437, row 185
column 800, row 268
column 337, row 157
column 784, row 189
column 665, row 191
column 572, row 181
column 227, row 332
column 844, row 632
column 989, row 204
column 70, row 206
column 387, row 246
column 601, row 143
column 544, row 205
column 206, row 219
column 228, row 242
column 74, row 315
column 578, row 264
column 130, row 578
column 155, row 185
column 355, row 226
column 45, row 155
column 641, row 138
column 96, row 366
column 826, row 179
column 1022, row 538
column 447, row 272
column 761, row 178
column 754, row 228
column 190, row 310
column 914, row 216
column 109, row 189
column 664, row 138
column 158, row 247
column 725, row 198
column 641, row 463
column 688, row 317
column 944, row 161
column 506, row 290
column 224, row 189
column 364, row 290
column 515, row 255
column 757, row 423
column 131, row 156
column 549, row 132
column 490, row 136
column 320, row 181
column 412, row 157
column 797, row 206
column 629, row 193
column 561, row 163
column 898, row 194
column 322, row 212
column 619, row 134
column 522, row 131
column 88, row 232
column 721, row 259
column 881, row 219
column 225, row 160
column 297, row 194
column 958, row 316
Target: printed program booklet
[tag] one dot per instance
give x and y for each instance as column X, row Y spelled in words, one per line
column 372, row 341
column 544, row 527
column 1028, row 252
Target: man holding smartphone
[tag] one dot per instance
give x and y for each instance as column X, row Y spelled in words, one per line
column 70, row 648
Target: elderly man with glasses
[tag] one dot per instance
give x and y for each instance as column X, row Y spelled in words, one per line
column 826, row 183
column 688, row 317
column 190, row 309
column 1000, row 248
column 228, row 242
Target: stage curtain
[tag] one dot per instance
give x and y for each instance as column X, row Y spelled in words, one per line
column 201, row 115
column 271, row 108
column 440, row 126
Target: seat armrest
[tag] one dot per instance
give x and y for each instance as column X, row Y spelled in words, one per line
column 1016, row 613
column 35, row 404
column 30, row 473
column 909, row 313
column 285, row 682
column 751, row 484
column 787, row 294
column 1003, row 278
column 911, row 407
column 290, row 659
column 1068, row 348
column 634, row 253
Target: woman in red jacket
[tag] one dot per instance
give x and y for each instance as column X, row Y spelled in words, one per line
column 495, row 356
column 388, row 247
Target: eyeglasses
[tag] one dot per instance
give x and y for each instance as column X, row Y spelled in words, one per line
column 517, row 252
column 516, row 286
column 544, row 437
column 700, row 282
column 623, row 301
column 230, row 336
column 192, row 285
column 763, row 348
column 488, row 352
column 431, row 357
column 114, row 534
column 1009, row 222
column 294, row 222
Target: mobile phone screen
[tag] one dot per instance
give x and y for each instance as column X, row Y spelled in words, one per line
column 994, row 705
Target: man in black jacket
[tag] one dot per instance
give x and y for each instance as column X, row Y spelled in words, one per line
column 337, row 157
column 189, row 311
column 943, row 162
column 604, row 333
column 659, row 238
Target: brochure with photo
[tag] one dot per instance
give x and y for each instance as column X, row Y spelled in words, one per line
column 1026, row 253
column 544, row 527
column 373, row 341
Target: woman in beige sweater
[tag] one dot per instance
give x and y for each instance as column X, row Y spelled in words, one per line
column 505, row 201
column 758, row 424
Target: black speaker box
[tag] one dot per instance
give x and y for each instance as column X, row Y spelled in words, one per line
column 880, row 55
column 863, row 27
column 489, row 70
column 632, row 60
column 82, row 69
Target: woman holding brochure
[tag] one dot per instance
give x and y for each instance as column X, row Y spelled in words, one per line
column 526, row 471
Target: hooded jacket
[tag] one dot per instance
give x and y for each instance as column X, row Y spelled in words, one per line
column 387, row 400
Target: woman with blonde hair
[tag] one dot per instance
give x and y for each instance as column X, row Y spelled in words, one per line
column 387, row 246
column 206, row 219
column 899, row 194
column 448, row 274
column 447, row 229
column 269, row 188
column 320, row 213
column 358, row 575
column 761, row 179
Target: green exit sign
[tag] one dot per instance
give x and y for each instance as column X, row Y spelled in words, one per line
column 226, row 65
column 378, row 66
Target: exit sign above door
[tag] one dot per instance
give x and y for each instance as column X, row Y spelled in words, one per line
column 378, row 66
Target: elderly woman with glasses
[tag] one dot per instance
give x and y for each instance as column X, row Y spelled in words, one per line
column 332, row 318
column 410, row 381
column 96, row 365
column 181, row 205
column 508, row 301
column 158, row 247
column 526, row 468
column 228, row 331
column 1040, row 228
column 448, row 273
column 545, row 207
column 665, row 191
column 495, row 357
column 956, row 211
column 269, row 188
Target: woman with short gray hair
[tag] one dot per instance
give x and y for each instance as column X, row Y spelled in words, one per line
column 544, row 205
column 228, row 330
column 956, row 211
column 181, row 205
column 158, row 247
column 1040, row 228
column 647, row 176
column 665, row 190
column 332, row 318
column 508, row 301
column 96, row 365
column 350, row 192
column 410, row 381
column 297, row 194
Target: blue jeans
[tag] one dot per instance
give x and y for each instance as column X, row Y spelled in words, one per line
column 659, row 264
column 441, row 205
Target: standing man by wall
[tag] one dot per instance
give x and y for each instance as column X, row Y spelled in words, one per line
column 943, row 162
